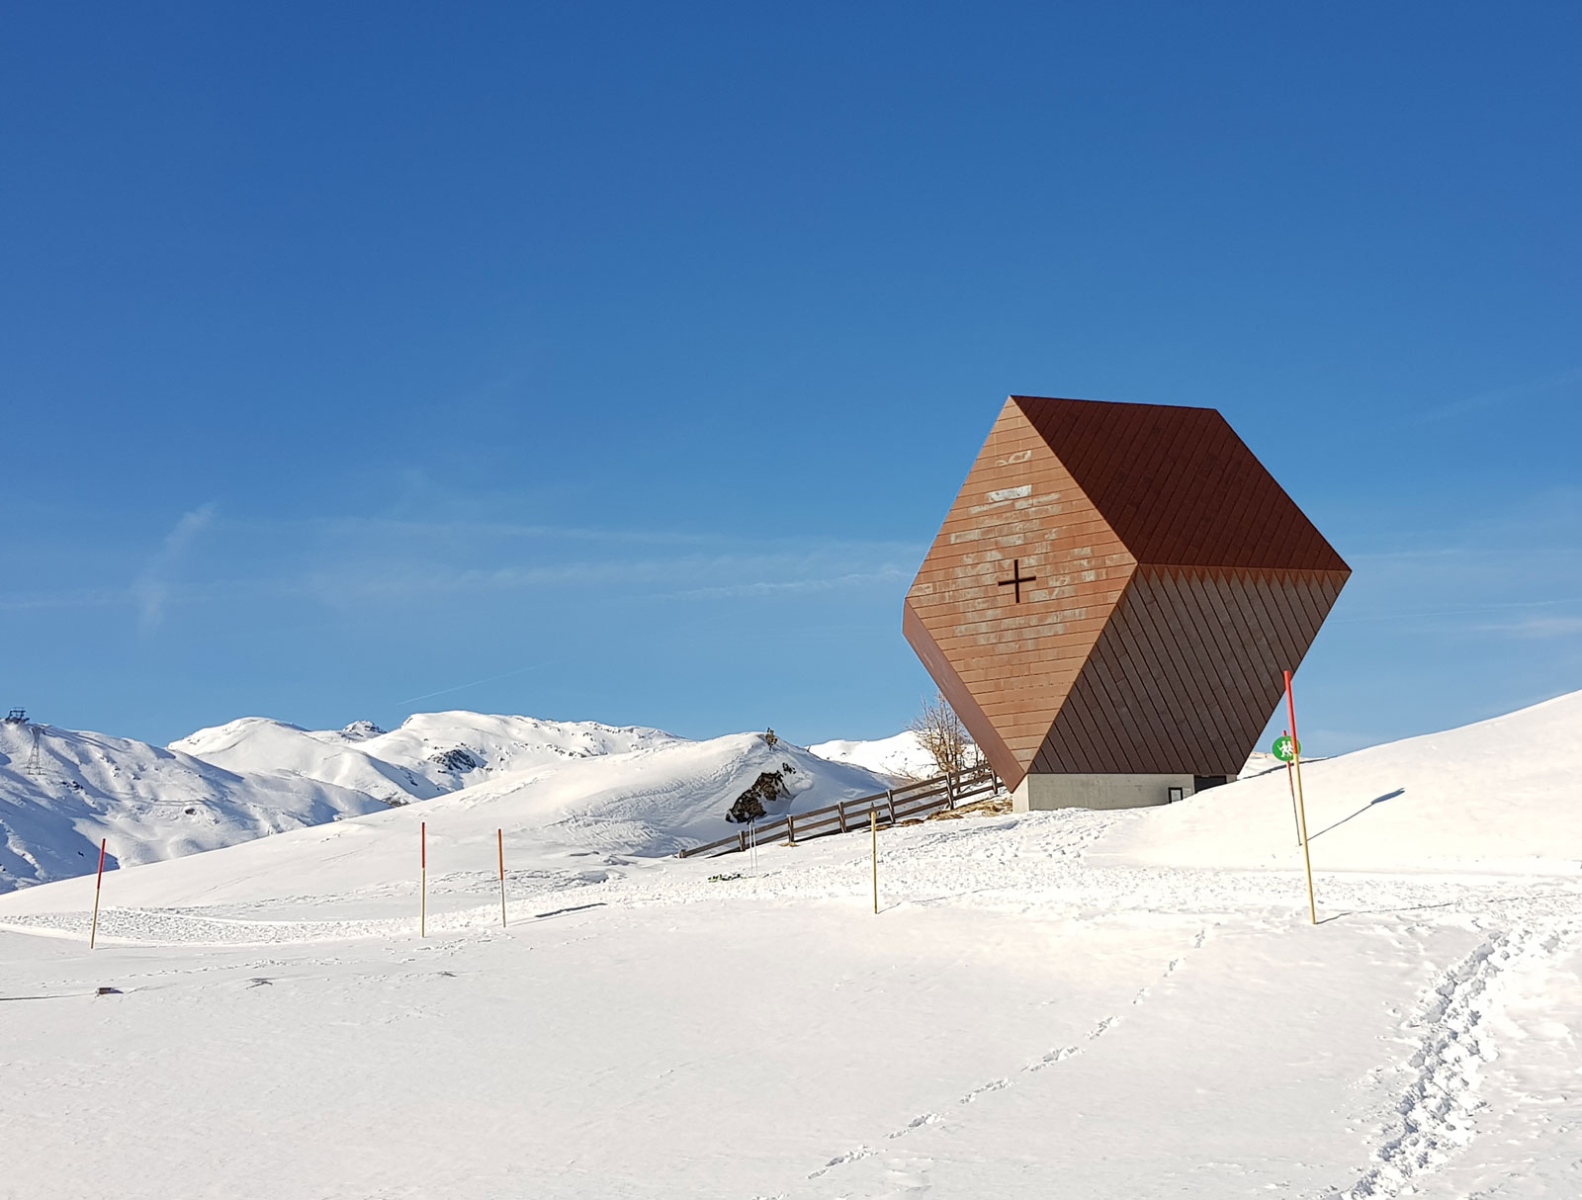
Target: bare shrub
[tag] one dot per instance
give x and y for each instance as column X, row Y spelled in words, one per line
column 943, row 735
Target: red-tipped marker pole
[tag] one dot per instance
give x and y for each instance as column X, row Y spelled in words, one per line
column 93, row 933
column 499, row 837
column 1301, row 806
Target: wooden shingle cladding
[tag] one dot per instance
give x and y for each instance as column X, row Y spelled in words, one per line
column 1172, row 581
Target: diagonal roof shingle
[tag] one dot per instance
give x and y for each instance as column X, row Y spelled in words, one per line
column 1216, row 505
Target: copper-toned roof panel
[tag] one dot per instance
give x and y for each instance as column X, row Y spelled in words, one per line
column 1178, row 486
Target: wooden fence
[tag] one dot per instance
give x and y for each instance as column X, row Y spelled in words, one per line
column 911, row 802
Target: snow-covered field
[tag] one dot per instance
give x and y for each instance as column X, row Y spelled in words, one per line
column 1077, row 1004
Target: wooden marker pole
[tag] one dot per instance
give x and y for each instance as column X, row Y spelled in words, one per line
column 1301, row 806
column 1291, row 787
column 422, row 886
column 499, row 835
column 873, row 832
column 93, row 933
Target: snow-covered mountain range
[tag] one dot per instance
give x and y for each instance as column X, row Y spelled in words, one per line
column 62, row 791
column 429, row 755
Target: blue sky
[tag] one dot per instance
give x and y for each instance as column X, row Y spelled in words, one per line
column 618, row 362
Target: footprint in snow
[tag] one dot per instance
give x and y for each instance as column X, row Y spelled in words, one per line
column 928, row 1118
column 1053, row 1057
column 992, row 1086
column 842, row 1159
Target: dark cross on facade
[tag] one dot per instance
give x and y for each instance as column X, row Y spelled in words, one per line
column 1017, row 579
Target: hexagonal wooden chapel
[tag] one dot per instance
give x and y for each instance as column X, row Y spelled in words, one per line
column 1113, row 598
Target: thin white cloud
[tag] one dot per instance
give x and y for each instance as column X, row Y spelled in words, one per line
column 105, row 597
column 152, row 589
column 1507, row 395
column 342, row 563
column 1464, row 610
column 778, row 587
column 1540, row 627
column 720, row 576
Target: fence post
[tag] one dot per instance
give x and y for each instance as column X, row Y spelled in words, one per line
column 741, row 840
column 93, row 934
column 873, row 832
column 791, row 829
column 840, row 806
column 889, row 798
column 499, row 837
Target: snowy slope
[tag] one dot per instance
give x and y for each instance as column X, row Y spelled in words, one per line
column 900, row 757
column 1501, row 794
column 1050, row 1004
column 429, row 755
column 659, row 799
column 151, row 804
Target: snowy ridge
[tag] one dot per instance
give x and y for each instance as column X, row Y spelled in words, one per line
column 429, row 755
column 150, row 804
column 1499, row 793
column 900, row 757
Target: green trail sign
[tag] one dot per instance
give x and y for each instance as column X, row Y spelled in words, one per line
column 1283, row 750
